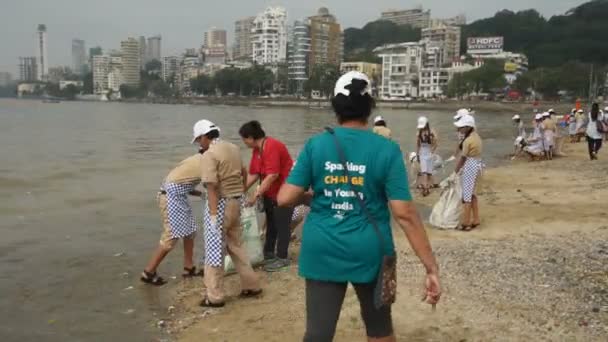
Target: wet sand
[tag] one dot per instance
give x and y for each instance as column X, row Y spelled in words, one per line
column 536, row 270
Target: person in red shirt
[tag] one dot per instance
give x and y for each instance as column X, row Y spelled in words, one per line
column 270, row 165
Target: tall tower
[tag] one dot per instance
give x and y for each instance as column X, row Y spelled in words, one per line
column 131, row 61
column 41, row 53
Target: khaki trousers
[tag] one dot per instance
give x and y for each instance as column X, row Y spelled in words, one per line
column 214, row 276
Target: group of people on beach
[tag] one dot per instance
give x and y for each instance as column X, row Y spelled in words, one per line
column 352, row 179
column 547, row 138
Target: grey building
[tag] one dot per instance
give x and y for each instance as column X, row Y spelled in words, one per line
column 79, row 56
column 28, row 69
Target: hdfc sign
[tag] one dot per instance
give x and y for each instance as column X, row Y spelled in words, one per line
column 485, row 45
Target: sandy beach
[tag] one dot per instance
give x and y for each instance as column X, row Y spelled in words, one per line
column 536, row 270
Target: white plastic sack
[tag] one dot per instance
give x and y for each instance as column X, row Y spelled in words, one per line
column 446, row 212
column 251, row 238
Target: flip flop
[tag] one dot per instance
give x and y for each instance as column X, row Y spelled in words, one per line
column 152, row 279
column 463, row 228
column 191, row 272
column 206, row 303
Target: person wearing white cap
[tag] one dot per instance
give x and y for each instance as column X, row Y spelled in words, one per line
column 536, row 143
column 519, row 125
column 460, row 113
column 426, row 143
column 470, row 167
column 550, row 130
column 380, row 127
column 572, row 125
column 176, row 212
column 595, row 129
column 223, row 175
column 580, row 123
column 359, row 181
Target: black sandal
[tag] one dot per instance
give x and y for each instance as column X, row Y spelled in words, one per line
column 206, row 303
column 191, row 272
column 152, row 279
column 250, row 293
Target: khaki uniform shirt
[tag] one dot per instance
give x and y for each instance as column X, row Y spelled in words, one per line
column 222, row 164
column 188, row 171
column 472, row 146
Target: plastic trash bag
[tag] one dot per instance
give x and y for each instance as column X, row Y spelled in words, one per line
column 251, row 221
column 446, row 212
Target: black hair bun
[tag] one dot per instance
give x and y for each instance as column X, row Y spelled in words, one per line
column 357, row 86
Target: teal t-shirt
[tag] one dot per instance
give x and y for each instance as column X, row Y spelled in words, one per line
column 338, row 242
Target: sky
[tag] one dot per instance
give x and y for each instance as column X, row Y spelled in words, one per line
column 183, row 22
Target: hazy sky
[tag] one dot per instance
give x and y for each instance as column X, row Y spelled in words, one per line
column 182, row 22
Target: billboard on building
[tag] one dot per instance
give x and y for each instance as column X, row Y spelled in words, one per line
column 485, row 45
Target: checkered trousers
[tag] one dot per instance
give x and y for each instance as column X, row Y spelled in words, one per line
column 179, row 211
column 470, row 173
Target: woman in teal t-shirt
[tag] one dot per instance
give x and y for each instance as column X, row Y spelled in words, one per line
column 339, row 245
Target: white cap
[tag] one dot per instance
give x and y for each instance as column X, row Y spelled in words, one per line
column 551, row 111
column 203, row 127
column 378, row 119
column 413, row 156
column 538, row 116
column 347, row 79
column 546, row 114
column 460, row 113
column 574, row 110
column 422, row 122
column 580, row 111
column 519, row 140
column 606, row 109
column 516, row 117
column 465, row 121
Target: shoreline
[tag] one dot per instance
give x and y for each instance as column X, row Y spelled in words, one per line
column 536, row 268
column 447, row 105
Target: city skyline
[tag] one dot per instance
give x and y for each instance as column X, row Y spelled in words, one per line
column 182, row 28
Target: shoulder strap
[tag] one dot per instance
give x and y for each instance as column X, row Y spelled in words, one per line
column 361, row 201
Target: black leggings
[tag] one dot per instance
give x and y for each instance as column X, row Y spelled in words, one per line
column 594, row 146
column 278, row 233
column 324, row 303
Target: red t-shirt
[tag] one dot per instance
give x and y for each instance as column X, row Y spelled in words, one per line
column 274, row 159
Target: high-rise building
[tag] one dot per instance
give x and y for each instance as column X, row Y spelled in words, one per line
column 101, row 69
column 131, row 61
column 214, row 38
column 269, row 36
column 79, row 56
column 42, row 54
column 115, row 78
column 459, row 20
column 153, row 49
column 143, row 50
column 5, row 78
column 299, row 53
column 28, row 69
column 415, row 17
column 446, row 38
column 401, row 64
column 170, row 67
column 327, row 42
column 242, row 38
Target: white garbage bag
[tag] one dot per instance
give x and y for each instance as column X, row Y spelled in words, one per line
column 446, row 212
column 251, row 237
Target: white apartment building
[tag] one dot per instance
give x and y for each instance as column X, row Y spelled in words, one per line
column 269, row 36
column 401, row 64
column 101, row 68
column 433, row 81
column 115, row 77
column 170, row 67
column 299, row 54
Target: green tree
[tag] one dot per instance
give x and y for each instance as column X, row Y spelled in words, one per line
column 153, row 66
column 359, row 43
column 87, row 81
column 203, row 84
column 323, row 78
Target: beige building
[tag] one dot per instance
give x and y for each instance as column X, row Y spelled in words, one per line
column 101, row 69
column 326, row 39
column 415, row 17
column 242, row 38
column 447, row 38
column 215, row 38
column 131, row 62
column 370, row 69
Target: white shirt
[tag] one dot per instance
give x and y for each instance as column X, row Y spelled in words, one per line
column 592, row 131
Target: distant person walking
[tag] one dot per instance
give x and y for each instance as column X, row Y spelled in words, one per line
column 595, row 129
column 270, row 165
column 380, row 127
column 359, row 180
column 426, row 143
